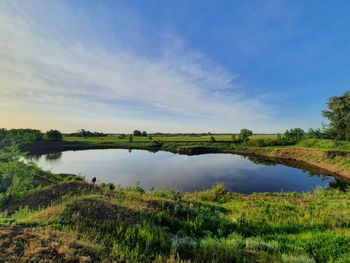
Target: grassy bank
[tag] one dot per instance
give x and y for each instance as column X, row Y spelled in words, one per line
column 75, row 221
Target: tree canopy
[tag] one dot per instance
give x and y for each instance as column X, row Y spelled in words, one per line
column 295, row 134
column 16, row 176
column 244, row 134
column 53, row 135
column 338, row 113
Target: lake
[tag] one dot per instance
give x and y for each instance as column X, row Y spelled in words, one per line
column 182, row 172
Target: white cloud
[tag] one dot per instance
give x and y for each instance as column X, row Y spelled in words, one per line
column 47, row 79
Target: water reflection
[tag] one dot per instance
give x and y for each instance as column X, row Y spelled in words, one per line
column 53, row 156
column 184, row 173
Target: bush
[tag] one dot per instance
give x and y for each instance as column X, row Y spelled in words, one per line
column 295, row 134
column 244, row 135
column 137, row 133
column 121, row 136
column 53, row 135
column 216, row 194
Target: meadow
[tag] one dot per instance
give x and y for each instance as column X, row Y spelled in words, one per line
column 74, row 221
column 169, row 138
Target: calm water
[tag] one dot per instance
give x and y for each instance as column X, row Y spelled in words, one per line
column 181, row 172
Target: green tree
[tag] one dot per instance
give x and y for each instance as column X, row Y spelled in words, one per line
column 338, row 113
column 32, row 136
column 17, row 174
column 130, row 138
column 137, row 133
column 314, row 133
column 244, row 135
column 121, row 136
column 212, row 138
column 279, row 137
column 144, row 133
column 53, row 135
column 294, row 134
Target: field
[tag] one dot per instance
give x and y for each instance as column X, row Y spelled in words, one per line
column 169, row 138
column 317, row 144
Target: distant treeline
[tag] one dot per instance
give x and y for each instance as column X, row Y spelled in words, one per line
column 84, row 133
column 28, row 136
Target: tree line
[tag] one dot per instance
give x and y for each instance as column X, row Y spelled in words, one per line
column 28, row 135
column 85, row 133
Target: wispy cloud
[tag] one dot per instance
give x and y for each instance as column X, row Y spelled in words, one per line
column 43, row 78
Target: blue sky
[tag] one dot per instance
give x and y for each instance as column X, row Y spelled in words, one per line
column 172, row 66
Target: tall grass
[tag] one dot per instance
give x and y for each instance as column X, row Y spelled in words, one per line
column 209, row 226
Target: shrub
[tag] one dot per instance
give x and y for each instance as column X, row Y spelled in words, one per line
column 53, row 135
column 244, row 135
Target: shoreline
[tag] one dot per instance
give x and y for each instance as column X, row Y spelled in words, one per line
column 318, row 161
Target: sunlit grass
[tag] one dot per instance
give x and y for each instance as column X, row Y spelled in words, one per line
column 211, row 226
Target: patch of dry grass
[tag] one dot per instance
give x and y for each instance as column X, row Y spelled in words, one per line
column 19, row 244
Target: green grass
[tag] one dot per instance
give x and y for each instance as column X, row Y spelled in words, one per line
column 322, row 144
column 130, row 225
column 221, row 141
column 170, row 138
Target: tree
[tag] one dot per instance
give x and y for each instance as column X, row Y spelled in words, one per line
column 32, row 136
column 244, row 134
column 212, row 138
column 314, row 133
column 53, row 135
column 338, row 113
column 122, row 136
column 144, row 134
column 137, row 133
column 2, row 133
column 130, row 138
column 279, row 137
column 295, row 134
column 17, row 174
column 233, row 137
column 21, row 135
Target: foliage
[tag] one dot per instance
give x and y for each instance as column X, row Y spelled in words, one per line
column 338, row 113
column 217, row 193
column 121, row 136
column 84, row 133
column 315, row 133
column 137, row 133
column 53, row 136
column 296, row 134
column 323, row 144
column 244, row 135
column 16, row 175
column 21, row 135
